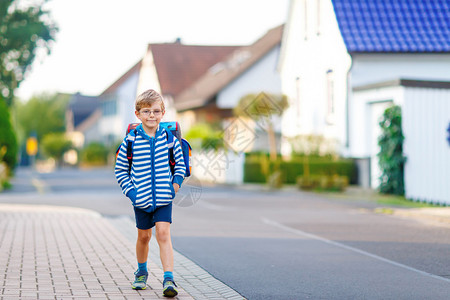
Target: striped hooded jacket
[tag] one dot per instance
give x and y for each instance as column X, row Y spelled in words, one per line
column 150, row 182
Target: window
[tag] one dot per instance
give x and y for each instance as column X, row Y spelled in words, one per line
column 330, row 97
column 297, row 104
column 305, row 18
column 109, row 105
column 318, row 17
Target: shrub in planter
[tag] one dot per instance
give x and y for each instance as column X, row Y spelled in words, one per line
column 306, row 183
column 323, row 182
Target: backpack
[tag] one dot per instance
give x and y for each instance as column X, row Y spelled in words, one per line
column 173, row 131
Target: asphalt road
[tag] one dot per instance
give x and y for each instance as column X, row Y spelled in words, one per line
column 276, row 244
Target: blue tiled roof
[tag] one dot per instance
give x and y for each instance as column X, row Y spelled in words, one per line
column 394, row 25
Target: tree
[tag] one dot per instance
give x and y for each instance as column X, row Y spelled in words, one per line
column 95, row 153
column 8, row 142
column 42, row 114
column 262, row 108
column 391, row 159
column 55, row 145
column 23, row 30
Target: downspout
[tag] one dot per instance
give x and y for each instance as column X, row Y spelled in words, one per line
column 347, row 106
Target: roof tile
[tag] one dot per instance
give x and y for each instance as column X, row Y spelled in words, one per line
column 188, row 62
column 394, row 25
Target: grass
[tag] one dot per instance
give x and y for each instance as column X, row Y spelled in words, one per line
column 381, row 199
column 393, row 200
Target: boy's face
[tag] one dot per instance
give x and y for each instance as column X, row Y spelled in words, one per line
column 150, row 116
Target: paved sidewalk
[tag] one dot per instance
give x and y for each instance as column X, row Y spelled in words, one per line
column 52, row 252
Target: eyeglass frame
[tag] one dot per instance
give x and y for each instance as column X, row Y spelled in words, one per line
column 156, row 112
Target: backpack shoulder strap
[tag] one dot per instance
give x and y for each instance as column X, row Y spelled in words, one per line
column 131, row 138
column 170, row 145
column 170, row 139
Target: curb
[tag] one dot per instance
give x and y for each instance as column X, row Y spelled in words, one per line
column 56, row 252
column 195, row 280
column 438, row 216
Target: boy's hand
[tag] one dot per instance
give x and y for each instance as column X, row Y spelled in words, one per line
column 176, row 187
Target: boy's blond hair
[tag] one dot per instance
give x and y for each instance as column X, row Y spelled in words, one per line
column 147, row 98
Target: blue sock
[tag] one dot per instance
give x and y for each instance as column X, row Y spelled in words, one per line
column 142, row 267
column 168, row 275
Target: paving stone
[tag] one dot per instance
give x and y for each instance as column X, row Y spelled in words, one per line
column 63, row 253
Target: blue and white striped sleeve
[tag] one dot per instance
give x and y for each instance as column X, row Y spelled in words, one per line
column 180, row 168
column 121, row 169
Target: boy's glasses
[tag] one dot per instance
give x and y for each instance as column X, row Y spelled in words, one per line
column 155, row 112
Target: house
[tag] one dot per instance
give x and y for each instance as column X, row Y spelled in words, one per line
column 248, row 70
column 344, row 61
column 81, row 115
column 168, row 68
column 211, row 98
column 426, row 125
column 199, row 83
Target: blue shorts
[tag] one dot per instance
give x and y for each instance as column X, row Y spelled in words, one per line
column 146, row 220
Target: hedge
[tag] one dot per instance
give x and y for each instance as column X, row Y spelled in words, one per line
column 253, row 170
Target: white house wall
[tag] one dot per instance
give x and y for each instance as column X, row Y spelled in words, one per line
column 312, row 47
column 371, row 68
column 426, row 117
column 127, row 97
column 360, row 140
column 148, row 77
column 366, row 110
column 261, row 77
column 125, row 94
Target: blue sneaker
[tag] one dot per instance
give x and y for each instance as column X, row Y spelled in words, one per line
column 169, row 288
column 140, row 281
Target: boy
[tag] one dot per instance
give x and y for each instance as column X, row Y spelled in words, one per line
column 150, row 186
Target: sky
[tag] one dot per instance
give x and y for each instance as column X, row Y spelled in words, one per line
column 99, row 40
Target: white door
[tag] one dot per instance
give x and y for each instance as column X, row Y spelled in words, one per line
column 375, row 114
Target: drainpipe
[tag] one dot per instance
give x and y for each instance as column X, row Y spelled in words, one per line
column 347, row 105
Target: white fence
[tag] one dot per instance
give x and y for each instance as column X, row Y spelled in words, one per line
column 225, row 167
column 426, row 118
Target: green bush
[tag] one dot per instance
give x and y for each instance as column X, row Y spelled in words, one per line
column 205, row 136
column 391, row 159
column 8, row 139
column 212, row 142
column 55, row 145
column 95, row 154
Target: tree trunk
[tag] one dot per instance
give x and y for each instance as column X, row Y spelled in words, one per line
column 272, row 142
